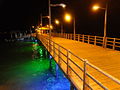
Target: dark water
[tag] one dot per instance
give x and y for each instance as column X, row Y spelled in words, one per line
column 20, row 71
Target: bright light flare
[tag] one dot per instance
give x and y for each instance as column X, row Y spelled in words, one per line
column 96, row 7
column 51, row 27
column 57, row 21
column 63, row 5
column 68, row 17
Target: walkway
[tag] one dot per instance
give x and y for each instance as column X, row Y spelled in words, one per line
column 105, row 59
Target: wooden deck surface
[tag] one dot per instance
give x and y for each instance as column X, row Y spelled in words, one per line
column 106, row 59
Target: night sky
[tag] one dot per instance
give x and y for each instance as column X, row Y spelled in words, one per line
column 22, row 14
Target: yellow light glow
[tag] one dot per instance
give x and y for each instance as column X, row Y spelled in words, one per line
column 47, row 25
column 33, row 27
column 63, row 5
column 67, row 17
column 57, row 21
column 51, row 27
column 96, row 7
column 43, row 28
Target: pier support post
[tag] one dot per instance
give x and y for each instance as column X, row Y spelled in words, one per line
column 46, row 53
column 50, row 58
column 72, row 87
column 56, row 70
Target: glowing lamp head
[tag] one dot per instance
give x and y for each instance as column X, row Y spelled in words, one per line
column 67, row 17
column 47, row 25
column 51, row 27
column 57, row 21
column 63, row 5
column 96, row 7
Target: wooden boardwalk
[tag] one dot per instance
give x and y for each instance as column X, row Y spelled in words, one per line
column 107, row 60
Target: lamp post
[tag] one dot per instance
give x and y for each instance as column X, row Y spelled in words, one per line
column 74, row 28
column 49, row 19
column 61, row 25
column 96, row 7
column 53, row 5
column 42, row 19
column 68, row 19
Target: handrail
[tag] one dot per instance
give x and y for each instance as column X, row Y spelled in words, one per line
column 48, row 43
column 110, row 42
column 106, row 74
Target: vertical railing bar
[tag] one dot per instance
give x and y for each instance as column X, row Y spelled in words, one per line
column 106, row 42
column 83, row 38
column 84, row 76
column 53, row 49
column 95, row 40
column 88, row 39
column 78, row 37
column 59, row 54
column 67, row 62
column 69, row 36
column 114, row 44
column 103, row 42
column 66, row 36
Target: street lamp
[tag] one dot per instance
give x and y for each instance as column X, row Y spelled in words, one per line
column 96, row 7
column 42, row 18
column 68, row 19
column 58, row 22
column 53, row 5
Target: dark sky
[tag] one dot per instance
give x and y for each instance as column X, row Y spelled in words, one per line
column 21, row 14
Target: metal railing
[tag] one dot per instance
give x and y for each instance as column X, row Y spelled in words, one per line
column 113, row 43
column 83, row 74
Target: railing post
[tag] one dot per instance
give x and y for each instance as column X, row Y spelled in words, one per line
column 105, row 42
column 49, row 44
column 84, row 76
column 88, row 39
column 70, row 36
column 54, row 50
column 114, row 44
column 67, row 63
column 59, row 62
column 78, row 37
column 72, row 87
column 95, row 40
column 74, row 36
column 66, row 36
column 83, row 38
